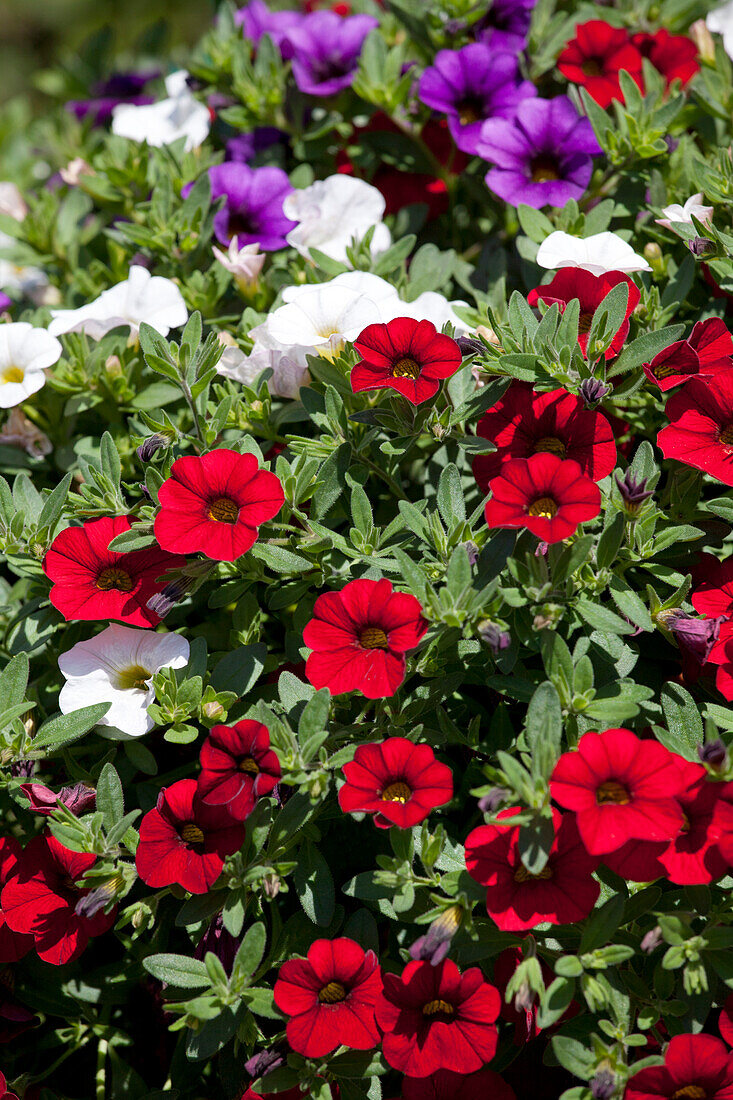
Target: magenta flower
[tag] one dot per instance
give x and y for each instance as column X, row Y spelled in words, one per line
column 256, row 19
column 253, row 210
column 325, row 50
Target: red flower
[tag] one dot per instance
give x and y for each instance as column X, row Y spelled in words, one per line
column 237, row 767
column 621, row 789
column 330, row 998
column 590, row 290
column 359, row 637
column 562, row 893
column 673, row 55
column 595, row 57
column 42, row 897
column 92, row 582
column 184, row 841
column 405, row 355
column 707, row 351
column 696, row 1067
column 434, row 1017
column 550, row 496
column 215, row 503
column 637, row 860
column 673, row 365
column 4, row 1093
column 397, row 781
column 523, row 423
column 445, row 1085
column 725, row 1020
column 13, row 945
column 701, row 430
column 713, row 596
column 289, row 1094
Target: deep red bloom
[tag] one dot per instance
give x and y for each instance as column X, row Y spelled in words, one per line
column 562, row 893
column 595, row 57
column 215, row 504
column 673, row 55
column 330, row 998
column 184, row 841
column 434, row 1017
column 725, row 1021
column 696, row 1067
column 237, row 767
column 523, row 423
column 712, row 596
column 41, row 898
column 621, row 789
column 359, row 637
column 397, row 781
column 700, row 432
column 707, row 351
column 79, row 799
column 673, row 365
column 590, row 290
column 92, row 582
column 405, row 355
column 550, row 496
column 445, row 1085
column 4, row 1094
column 13, row 945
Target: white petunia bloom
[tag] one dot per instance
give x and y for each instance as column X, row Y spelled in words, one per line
column 319, row 320
column 25, row 353
column 597, row 254
column 12, row 202
column 245, row 264
column 141, row 297
column 117, row 666
column 720, row 22
column 289, row 367
column 179, row 116
column 678, row 213
column 431, row 306
column 332, row 212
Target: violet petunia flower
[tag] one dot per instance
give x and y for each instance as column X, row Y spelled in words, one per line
column 256, row 19
column 506, row 25
column 108, row 94
column 471, row 85
column 543, row 156
column 325, row 50
column 253, row 212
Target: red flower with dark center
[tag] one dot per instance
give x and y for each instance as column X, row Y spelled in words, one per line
column 696, row 1067
column 41, row 899
column 673, row 55
column 621, row 789
column 595, row 57
column 397, row 781
column 434, row 1018
column 445, row 1085
column 93, row 582
column 215, row 504
column 701, row 430
column 405, row 355
column 359, row 637
column 13, row 945
column 707, row 351
column 184, row 841
column 590, row 290
column 673, row 365
column 563, row 892
column 330, row 997
column 523, row 423
column 237, row 767
column 550, row 496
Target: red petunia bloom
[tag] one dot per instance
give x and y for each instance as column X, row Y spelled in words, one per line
column 673, row 365
column 712, row 596
column 397, row 781
column 590, row 290
column 621, row 789
column 445, row 1085
column 4, row 1093
column 523, row 423
column 405, row 355
column 434, row 1018
column 595, row 57
column 330, row 997
column 701, row 430
column 563, row 892
column 725, row 1020
column 215, row 504
column 673, row 55
column 550, row 496
column 359, row 637
column 42, row 897
column 707, row 351
column 93, row 582
column 237, row 767
column 13, row 945
column 696, row 1067
column 184, row 841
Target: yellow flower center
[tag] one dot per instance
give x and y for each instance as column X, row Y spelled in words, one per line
column 113, row 577
column 550, row 444
column 438, row 1008
column 192, row 834
column 406, row 368
column 249, row 765
column 543, row 506
column 12, row 374
column 332, row 994
column 726, row 435
column 396, row 792
column 134, row 677
column 544, row 168
column 612, row 791
column 690, row 1092
column 523, row 875
column 373, row 637
column 224, row 510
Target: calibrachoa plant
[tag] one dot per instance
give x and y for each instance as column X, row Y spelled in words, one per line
column 366, row 512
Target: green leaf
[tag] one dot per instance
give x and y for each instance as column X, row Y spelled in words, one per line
column 314, row 885
column 240, row 670
column 544, row 728
column 53, row 505
column 14, row 680
column 250, row 952
column 64, row 729
column 535, row 842
column 331, row 481
column 178, row 970
column 602, row 924
column 644, row 348
column 602, row 618
column 451, row 504
column 110, row 799
column 684, row 724
column 281, row 560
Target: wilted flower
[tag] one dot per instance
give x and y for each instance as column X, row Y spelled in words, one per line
column 714, row 754
column 19, row 431
column 696, row 636
column 495, row 637
column 244, row 263
column 603, row 1085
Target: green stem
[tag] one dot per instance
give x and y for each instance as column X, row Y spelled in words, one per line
column 101, row 1075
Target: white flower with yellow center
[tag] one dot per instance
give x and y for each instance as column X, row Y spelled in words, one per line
column 319, row 319
column 25, row 354
column 118, row 666
column 332, row 213
column 179, row 116
column 141, row 297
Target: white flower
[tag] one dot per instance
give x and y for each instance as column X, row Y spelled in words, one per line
column 431, row 306
column 161, row 123
column 12, row 202
column 289, row 367
column 245, row 263
column 117, row 666
column 332, row 212
column 720, row 21
column 25, row 353
column 320, row 319
column 600, row 253
column 141, row 297
column 677, row 213
column 74, row 170
column 19, row 431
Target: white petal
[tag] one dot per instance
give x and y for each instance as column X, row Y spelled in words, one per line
column 597, row 254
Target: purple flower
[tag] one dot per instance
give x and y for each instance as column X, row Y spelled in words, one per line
column 325, row 50
column 543, row 156
column 471, row 85
column 253, row 212
column 256, row 19
column 5, row 302
column 695, row 637
column 108, row 94
column 244, row 147
column 506, row 25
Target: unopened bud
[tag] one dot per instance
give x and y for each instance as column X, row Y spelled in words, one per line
column 633, row 492
column 603, row 1085
column 494, row 636
column 212, row 710
column 652, row 252
column 472, row 550
column 651, row 940
column 488, row 334
column 265, row 1061
column 703, row 39
column 149, row 446
column 701, row 246
column 469, row 346
column 491, row 802
column 163, row 602
column 714, row 754
column 113, row 366
column 227, row 339
column 592, row 390
column 524, row 998
column 271, row 885
column 93, row 900
column 434, row 946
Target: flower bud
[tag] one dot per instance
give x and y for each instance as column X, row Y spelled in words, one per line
column 271, row 885
column 652, row 252
column 592, row 390
column 633, row 492
column 714, row 754
column 265, row 1061
column 651, row 940
column 469, row 346
column 488, row 334
column 491, row 802
column 149, row 446
column 92, row 901
column 212, row 710
column 701, row 246
column 703, row 39
column 113, row 366
column 434, row 946
column 603, row 1085
column 494, row 636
